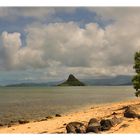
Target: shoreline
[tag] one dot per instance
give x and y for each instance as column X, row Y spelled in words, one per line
column 71, row 111
column 58, row 124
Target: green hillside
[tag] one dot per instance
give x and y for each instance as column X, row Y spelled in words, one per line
column 72, row 81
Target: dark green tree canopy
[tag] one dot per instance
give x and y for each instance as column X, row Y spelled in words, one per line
column 136, row 78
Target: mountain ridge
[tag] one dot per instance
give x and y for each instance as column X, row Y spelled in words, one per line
column 108, row 81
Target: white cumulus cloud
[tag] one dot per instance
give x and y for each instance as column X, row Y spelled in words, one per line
column 67, row 48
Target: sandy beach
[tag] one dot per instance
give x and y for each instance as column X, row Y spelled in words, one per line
column 58, row 124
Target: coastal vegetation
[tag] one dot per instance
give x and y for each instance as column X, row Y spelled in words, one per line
column 136, row 78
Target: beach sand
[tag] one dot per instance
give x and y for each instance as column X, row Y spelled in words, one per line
column 58, row 124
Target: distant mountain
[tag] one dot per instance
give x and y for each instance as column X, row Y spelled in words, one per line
column 48, row 84
column 110, row 81
column 72, row 81
column 106, row 81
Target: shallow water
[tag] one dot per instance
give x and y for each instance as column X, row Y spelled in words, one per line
column 38, row 102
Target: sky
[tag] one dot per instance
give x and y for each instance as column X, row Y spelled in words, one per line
column 41, row 44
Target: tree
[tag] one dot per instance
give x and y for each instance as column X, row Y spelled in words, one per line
column 136, row 78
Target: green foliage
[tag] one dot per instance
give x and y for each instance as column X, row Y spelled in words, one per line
column 136, row 78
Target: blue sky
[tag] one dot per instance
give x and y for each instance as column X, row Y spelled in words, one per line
column 82, row 16
column 41, row 44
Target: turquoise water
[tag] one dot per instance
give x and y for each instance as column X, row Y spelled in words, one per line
column 38, row 102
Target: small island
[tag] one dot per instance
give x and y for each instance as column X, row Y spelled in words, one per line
column 72, row 81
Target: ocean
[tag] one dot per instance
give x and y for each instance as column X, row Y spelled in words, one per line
column 32, row 103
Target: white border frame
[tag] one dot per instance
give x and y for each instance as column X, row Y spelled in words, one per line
column 74, row 3
column 69, row 3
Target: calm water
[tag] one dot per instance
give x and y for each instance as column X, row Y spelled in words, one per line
column 39, row 102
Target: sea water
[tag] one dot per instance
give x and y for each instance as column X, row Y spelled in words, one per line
column 32, row 103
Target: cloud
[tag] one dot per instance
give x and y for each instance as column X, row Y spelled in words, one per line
column 116, row 13
column 38, row 13
column 10, row 44
column 12, row 14
column 64, row 47
column 59, row 42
